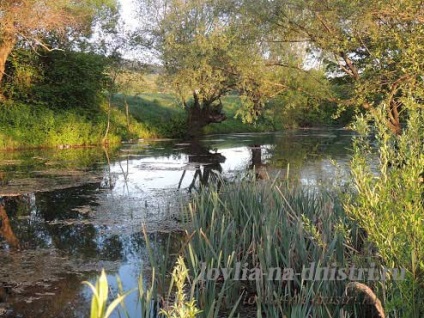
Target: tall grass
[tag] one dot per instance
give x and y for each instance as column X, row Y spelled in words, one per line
column 269, row 225
column 266, row 226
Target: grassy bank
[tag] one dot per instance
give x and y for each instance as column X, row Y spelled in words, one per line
column 159, row 113
column 26, row 126
column 152, row 115
column 60, row 98
column 163, row 116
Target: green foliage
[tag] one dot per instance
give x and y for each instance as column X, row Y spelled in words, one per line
column 71, row 80
column 388, row 199
column 211, row 49
column 291, row 111
column 30, row 24
column 147, row 296
column 57, row 79
column 207, row 53
column 27, row 126
column 305, row 103
column 22, row 126
column 159, row 114
column 56, row 98
column 373, row 45
column 263, row 225
column 23, row 72
column 233, row 123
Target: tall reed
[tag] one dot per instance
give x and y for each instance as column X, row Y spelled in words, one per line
column 268, row 226
column 276, row 228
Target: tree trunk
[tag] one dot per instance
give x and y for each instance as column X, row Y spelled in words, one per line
column 201, row 114
column 394, row 119
column 6, row 46
column 108, row 120
column 127, row 113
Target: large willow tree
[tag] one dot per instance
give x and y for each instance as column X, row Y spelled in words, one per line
column 205, row 57
column 212, row 48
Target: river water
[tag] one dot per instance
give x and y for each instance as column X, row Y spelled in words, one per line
column 67, row 213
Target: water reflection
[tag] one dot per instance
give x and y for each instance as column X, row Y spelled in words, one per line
column 64, row 220
column 206, row 164
column 5, row 229
column 257, row 164
column 76, row 228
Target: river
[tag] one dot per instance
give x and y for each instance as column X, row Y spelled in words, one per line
column 67, row 213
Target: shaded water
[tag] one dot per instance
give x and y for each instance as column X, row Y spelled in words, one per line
column 65, row 214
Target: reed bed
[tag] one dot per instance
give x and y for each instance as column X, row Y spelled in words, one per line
column 260, row 227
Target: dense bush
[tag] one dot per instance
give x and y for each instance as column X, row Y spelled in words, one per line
column 388, row 197
column 57, row 79
column 71, row 80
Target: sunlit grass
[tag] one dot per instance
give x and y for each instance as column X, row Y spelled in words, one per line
column 26, row 126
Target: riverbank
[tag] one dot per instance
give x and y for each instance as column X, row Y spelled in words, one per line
column 32, row 126
column 164, row 116
column 151, row 115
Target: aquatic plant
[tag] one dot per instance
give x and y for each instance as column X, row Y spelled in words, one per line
column 245, row 229
column 99, row 307
column 181, row 307
column 264, row 226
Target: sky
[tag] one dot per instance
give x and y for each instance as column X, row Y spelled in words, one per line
column 129, row 17
column 129, row 13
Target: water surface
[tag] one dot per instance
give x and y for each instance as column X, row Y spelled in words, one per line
column 67, row 213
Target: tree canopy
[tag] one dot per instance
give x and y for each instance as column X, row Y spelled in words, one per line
column 377, row 45
column 212, row 48
column 30, row 22
column 291, row 54
column 256, row 47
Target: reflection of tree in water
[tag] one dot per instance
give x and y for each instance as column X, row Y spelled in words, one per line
column 207, row 166
column 293, row 152
column 67, row 301
column 256, row 163
column 52, row 219
column 6, row 229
